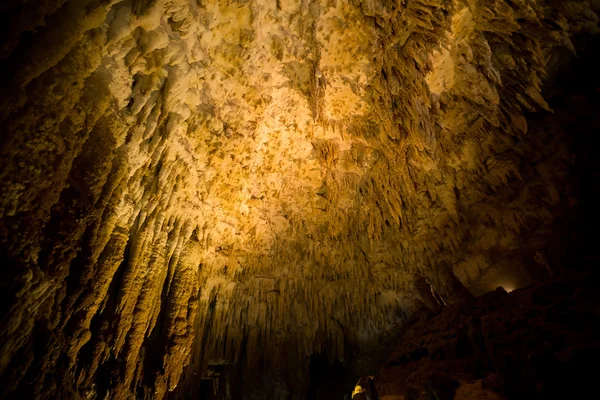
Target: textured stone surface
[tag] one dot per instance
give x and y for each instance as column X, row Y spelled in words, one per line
column 251, row 182
column 534, row 343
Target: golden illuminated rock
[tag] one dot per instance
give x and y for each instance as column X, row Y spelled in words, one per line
column 228, row 181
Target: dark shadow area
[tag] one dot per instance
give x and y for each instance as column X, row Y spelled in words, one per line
column 327, row 378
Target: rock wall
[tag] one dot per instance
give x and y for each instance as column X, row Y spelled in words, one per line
column 534, row 343
column 249, row 182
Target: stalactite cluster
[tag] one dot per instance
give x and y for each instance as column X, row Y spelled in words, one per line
column 249, row 182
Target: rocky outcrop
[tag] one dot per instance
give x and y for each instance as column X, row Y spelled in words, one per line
column 534, row 343
column 249, row 182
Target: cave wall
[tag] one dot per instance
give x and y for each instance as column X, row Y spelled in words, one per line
column 533, row 343
column 251, row 182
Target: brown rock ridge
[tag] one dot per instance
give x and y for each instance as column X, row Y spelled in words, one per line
column 247, row 182
column 534, row 343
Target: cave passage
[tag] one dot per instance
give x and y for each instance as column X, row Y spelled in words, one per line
column 312, row 199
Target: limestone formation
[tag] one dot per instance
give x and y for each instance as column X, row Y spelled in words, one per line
column 536, row 343
column 234, row 185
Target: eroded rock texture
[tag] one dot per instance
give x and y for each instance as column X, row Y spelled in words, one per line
column 249, row 182
column 534, row 343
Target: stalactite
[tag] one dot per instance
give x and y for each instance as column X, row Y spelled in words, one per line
column 185, row 183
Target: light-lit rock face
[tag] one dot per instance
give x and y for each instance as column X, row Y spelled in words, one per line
column 249, row 182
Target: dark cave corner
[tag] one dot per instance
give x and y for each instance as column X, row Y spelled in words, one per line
column 537, row 342
column 327, row 378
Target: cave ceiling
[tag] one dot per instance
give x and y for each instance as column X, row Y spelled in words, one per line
column 211, row 181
